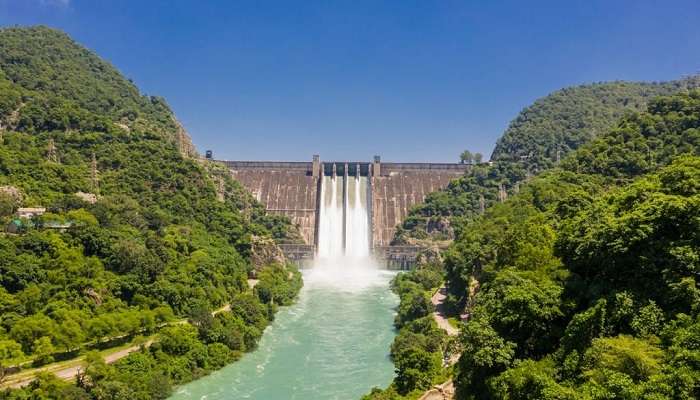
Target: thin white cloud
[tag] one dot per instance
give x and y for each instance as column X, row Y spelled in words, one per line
column 55, row 3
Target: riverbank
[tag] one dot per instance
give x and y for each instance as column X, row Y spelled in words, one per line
column 423, row 351
column 331, row 344
column 183, row 351
column 445, row 390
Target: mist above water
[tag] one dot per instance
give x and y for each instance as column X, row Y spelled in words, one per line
column 332, row 344
column 343, row 259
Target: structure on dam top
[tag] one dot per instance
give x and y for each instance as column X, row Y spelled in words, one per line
column 293, row 189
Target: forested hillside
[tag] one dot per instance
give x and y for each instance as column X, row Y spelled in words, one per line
column 584, row 284
column 541, row 134
column 49, row 62
column 136, row 235
column 562, row 121
column 588, row 276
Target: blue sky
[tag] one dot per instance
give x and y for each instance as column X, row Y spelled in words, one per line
column 410, row 80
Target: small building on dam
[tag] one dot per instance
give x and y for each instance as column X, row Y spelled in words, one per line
column 294, row 189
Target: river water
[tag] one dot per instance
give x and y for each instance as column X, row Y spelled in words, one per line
column 333, row 343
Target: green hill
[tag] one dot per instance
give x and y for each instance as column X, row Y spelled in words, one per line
column 47, row 62
column 548, row 129
column 136, row 235
column 588, row 277
column 562, row 121
column 583, row 285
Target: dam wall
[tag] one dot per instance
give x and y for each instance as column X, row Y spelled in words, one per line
column 293, row 189
column 286, row 188
column 399, row 187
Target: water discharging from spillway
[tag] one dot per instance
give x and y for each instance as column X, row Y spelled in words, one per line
column 333, row 343
column 343, row 257
column 344, row 220
column 357, row 227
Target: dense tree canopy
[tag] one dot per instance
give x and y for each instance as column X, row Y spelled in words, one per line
column 80, row 85
column 536, row 139
column 559, row 123
column 588, row 276
column 164, row 237
column 583, row 283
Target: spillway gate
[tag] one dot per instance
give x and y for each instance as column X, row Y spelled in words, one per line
column 293, row 189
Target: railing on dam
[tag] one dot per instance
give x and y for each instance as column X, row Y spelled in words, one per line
column 391, row 257
column 388, row 167
column 397, row 257
column 287, row 165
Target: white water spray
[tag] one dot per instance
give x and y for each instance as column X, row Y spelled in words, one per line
column 343, row 259
column 357, row 222
column 330, row 232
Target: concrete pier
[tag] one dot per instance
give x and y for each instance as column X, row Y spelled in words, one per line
column 345, row 205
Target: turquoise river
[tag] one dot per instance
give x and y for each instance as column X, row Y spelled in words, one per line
column 333, row 343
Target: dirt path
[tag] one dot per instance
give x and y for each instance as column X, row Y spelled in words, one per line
column 446, row 390
column 440, row 316
column 72, row 370
column 118, row 355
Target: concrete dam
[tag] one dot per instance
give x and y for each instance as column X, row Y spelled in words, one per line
column 294, row 189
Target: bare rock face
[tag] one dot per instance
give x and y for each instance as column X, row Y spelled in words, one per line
column 184, row 141
column 264, row 251
column 10, row 199
column 12, row 192
column 123, row 126
column 442, row 226
column 87, row 197
column 429, row 255
column 94, row 295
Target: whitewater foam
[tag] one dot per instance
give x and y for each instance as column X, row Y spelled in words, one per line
column 343, row 259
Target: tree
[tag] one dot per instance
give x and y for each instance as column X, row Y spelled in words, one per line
column 415, row 369
column 43, row 351
column 531, row 380
column 485, row 354
column 8, row 204
column 178, row 340
column 10, row 354
column 69, row 335
column 27, row 331
column 119, row 269
column 478, row 157
column 414, row 304
column 466, row 157
column 624, row 354
column 564, row 120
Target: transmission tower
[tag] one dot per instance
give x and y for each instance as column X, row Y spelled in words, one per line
column 94, row 174
column 502, row 194
column 51, row 154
